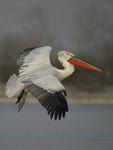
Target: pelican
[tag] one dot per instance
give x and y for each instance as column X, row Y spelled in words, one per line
column 42, row 80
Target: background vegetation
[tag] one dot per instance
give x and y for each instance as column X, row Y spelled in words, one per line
column 94, row 40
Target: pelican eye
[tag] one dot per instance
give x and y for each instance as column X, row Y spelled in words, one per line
column 71, row 55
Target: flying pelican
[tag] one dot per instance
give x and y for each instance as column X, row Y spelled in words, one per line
column 42, row 80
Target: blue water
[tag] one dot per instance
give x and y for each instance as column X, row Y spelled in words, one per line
column 84, row 128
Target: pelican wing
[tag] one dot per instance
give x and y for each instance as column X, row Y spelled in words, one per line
column 50, row 93
column 33, row 59
column 20, row 60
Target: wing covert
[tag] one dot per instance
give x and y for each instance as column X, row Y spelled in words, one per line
column 33, row 59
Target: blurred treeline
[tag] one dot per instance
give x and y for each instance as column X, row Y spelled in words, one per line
column 93, row 37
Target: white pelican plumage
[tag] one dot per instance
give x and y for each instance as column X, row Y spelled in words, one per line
column 42, row 80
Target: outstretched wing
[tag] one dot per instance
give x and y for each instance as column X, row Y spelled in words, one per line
column 33, row 59
column 50, row 93
column 20, row 60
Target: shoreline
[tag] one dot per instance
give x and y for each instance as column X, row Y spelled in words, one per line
column 74, row 97
column 82, row 100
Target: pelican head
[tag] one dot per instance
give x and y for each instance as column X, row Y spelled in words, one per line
column 65, row 57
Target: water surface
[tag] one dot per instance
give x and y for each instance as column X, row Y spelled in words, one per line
column 84, row 128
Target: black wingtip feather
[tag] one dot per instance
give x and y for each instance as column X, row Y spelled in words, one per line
column 55, row 104
column 53, row 111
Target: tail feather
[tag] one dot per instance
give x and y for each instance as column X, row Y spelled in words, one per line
column 13, row 87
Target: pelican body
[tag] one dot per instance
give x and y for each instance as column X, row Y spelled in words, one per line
column 42, row 80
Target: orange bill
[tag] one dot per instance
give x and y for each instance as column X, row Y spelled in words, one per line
column 76, row 61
